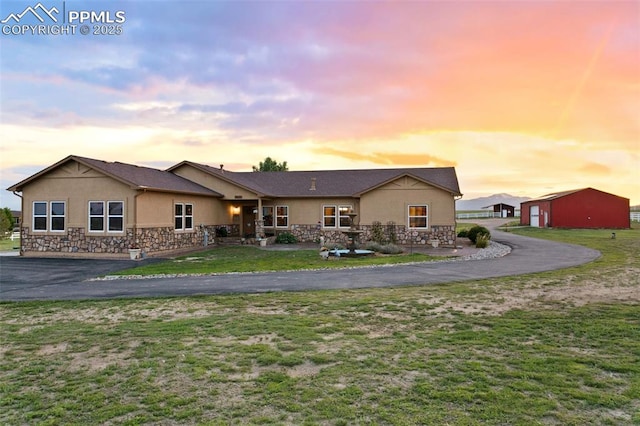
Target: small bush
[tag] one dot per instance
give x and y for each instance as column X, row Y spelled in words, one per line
column 463, row 233
column 286, row 238
column 222, row 232
column 482, row 240
column 391, row 249
column 384, row 248
column 474, row 231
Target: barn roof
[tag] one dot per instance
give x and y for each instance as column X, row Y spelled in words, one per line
column 556, row 195
column 499, row 204
column 333, row 183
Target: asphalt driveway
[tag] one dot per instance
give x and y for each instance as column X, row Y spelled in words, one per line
column 66, row 279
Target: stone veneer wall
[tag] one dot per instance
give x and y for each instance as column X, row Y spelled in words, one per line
column 150, row 240
column 446, row 235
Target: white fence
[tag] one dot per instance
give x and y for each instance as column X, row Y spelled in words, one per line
column 635, row 216
column 482, row 215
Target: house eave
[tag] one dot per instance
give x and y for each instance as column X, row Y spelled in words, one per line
column 172, row 191
column 217, row 175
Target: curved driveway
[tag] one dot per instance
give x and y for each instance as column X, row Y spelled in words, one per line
column 65, row 279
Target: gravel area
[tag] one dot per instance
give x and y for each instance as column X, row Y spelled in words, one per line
column 494, row 250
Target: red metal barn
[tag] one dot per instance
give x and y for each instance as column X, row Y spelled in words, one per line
column 580, row 208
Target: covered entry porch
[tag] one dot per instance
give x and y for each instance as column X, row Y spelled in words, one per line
column 251, row 218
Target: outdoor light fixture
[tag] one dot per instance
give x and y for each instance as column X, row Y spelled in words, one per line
column 235, row 209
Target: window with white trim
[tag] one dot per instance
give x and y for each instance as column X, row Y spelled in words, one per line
column 329, row 216
column 57, row 216
column 418, row 216
column 332, row 215
column 282, row 216
column 115, row 216
column 344, row 220
column 179, row 210
column 267, row 216
column 96, row 216
column 39, row 216
column 183, row 217
column 188, row 216
column 112, row 216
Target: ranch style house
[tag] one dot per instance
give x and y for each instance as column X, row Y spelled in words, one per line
column 90, row 208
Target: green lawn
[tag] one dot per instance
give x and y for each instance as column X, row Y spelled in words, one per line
column 7, row 245
column 556, row 348
column 252, row 259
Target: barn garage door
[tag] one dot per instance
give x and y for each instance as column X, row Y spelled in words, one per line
column 534, row 216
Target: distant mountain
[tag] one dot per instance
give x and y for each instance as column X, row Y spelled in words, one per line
column 479, row 203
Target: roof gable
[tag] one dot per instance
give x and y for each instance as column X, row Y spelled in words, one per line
column 136, row 177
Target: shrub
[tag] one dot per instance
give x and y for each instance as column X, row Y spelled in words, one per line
column 391, row 249
column 377, row 232
column 384, row 248
column 474, row 231
column 482, row 240
column 391, row 231
column 286, row 238
column 222, row 232
column 463, row 233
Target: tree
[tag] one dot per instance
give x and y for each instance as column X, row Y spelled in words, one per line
column 6, row 222
column 271, row 165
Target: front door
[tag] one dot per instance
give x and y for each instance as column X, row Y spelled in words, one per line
column 534, row 216
column 248, row 221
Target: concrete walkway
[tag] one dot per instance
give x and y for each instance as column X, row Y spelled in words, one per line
column 65, row 279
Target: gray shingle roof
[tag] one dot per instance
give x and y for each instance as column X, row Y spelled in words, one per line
column 329, row 183
column 135, row 176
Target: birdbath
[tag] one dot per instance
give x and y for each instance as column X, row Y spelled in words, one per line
column 352, row 233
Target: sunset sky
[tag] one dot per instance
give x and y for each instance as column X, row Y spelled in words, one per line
column 522, row 97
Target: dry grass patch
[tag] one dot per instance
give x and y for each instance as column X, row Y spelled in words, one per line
column 551, row 348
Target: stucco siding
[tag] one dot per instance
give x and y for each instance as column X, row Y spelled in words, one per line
column 229, row 190
column 76, row 186
column 309, row 211
column 156, row 209
column 390, row 203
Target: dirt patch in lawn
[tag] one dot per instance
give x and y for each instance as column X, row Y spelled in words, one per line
column 622, row 287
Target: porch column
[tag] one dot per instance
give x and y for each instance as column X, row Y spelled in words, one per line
column 259, row 220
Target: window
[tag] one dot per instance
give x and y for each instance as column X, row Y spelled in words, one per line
column 345, row 221
column 418, row 216
column 183, row 217
column 96, row 216
column 116, row 216
column 57, row 216
column 52, row 214
column 39, row 216
column 178, row 216
column 329, row 216
column 267, row 215
column 282, row 216
column 188, row 216
column 336, row 214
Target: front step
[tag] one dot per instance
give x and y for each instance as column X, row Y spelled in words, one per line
column 229, row 241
